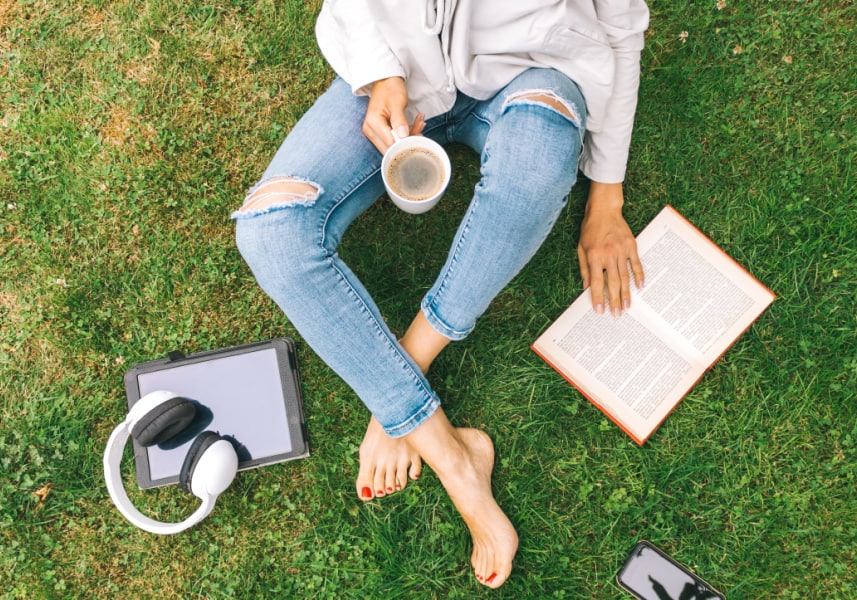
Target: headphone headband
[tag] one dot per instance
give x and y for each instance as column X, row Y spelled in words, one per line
column 218, row 464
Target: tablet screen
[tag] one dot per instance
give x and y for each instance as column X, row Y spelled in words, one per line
column 242, row 396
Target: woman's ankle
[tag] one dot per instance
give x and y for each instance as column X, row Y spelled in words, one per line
column 455, row 455
column 423, row 342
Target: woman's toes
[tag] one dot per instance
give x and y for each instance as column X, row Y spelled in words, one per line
column 401, row 476
column 390, row 482
column 365, row 484
column 364, row 492
column 380, row 483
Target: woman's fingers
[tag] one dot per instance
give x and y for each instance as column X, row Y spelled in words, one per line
column 386, row 113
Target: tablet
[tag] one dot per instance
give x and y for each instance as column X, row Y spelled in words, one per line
column 249, row 394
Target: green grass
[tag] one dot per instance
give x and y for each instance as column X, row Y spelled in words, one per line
column 129, row 132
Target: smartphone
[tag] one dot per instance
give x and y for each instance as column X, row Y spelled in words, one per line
column 651, row 574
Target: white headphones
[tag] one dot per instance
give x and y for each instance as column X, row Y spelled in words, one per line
column 208, row 469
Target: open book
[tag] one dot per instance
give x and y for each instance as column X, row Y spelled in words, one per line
column 636, row 368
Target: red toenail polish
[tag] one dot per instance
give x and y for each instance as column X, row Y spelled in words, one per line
column 389, row 489
column 366, row 492
column 491, row 578
column 380, row 492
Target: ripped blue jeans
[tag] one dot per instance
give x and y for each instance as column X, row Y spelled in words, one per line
column 529, row 137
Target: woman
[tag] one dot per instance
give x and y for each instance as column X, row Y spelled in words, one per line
column 538, row 89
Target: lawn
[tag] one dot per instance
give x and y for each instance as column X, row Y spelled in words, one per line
column 129, row 132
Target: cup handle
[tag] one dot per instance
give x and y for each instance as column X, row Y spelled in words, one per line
column 396, row 137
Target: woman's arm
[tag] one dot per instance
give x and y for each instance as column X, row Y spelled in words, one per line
column 605, row 153
column 607, row 246
column 349, row 38
column 352, row 43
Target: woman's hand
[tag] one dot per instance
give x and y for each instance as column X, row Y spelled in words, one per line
column 606, row 248
column 386, row 113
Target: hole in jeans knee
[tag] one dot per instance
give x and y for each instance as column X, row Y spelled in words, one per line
column 280, row 192
column 546, row 98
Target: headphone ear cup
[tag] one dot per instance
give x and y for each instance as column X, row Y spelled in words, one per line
column 202, row 442
column 164, row 421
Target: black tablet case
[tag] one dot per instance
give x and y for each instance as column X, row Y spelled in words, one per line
column 250, row 394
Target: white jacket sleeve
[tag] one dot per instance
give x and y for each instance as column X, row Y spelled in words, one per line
column 605, row 154
column 349, row 39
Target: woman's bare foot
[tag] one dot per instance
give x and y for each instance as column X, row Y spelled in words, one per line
column 495, row 541
column 385, row 463
column 463, row 460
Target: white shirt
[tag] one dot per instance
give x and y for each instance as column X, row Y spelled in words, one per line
column 479, row 46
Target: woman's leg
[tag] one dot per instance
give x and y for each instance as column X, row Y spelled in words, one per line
column 323, row 176
column 387, row 463
column 530, row 137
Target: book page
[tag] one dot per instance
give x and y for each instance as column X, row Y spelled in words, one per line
column 627, row 359
column 694, row 298
column 699, row 293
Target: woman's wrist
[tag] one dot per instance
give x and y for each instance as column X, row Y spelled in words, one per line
column 605, row 197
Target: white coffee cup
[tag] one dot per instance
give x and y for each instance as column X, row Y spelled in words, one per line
column 416, row 171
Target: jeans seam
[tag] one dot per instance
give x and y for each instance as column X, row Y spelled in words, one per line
column 337, row 203
column 393, row 431
column 453, row 264
column 394, row 347
column 430, row 306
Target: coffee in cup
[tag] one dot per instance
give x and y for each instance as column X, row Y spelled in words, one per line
column 416, row 171
column 416, row 174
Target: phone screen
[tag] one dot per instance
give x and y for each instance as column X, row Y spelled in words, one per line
column 650, row 574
